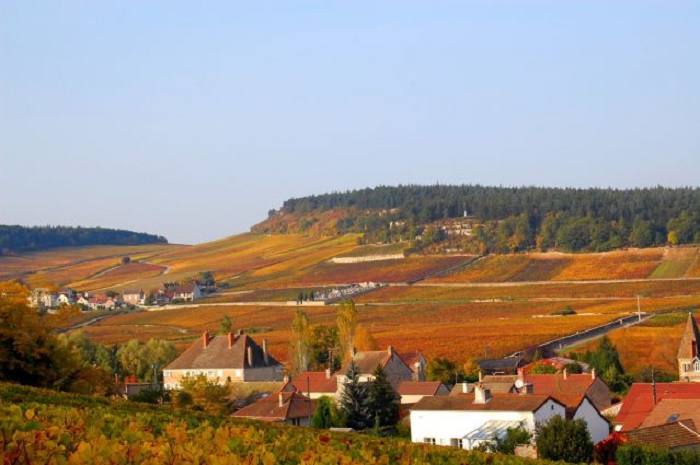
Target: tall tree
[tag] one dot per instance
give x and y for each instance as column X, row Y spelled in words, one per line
column 383, row 402
column 300, row 342
column 364, row 340
column 323, row 418
column 347, row 326
column 354, row 400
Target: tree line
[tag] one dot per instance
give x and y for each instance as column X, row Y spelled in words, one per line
column 29, row 239
column 31, row 352
column 509, row 219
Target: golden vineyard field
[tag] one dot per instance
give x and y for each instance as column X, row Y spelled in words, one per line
column 40, row 426
column 464, row 309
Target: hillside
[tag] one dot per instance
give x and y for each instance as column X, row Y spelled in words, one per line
column 18, row 239
column 41, row 426
column 498, row 219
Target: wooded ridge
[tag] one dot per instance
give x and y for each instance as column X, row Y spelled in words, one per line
column 28, row 239
column 504, row 219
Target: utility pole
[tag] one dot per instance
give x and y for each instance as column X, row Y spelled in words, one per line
column 639, row 309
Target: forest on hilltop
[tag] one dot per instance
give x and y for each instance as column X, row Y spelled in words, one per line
column 505, row 219
column 17, row 239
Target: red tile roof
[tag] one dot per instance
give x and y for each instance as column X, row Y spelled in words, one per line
column 294, row 405
column 318, row 382
column 218, row 354
column 498, row 402
column 411, row 358
column 367, row 361
column 639, row 402
column 419, row 388
column 673, row 410
column 679, row 434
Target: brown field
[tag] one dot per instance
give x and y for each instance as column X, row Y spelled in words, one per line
column 554, row 266
column 61, row 266
column 120, row 275
column 542, row 290
column 391, row 271
column 459, row 332
column 645, row 346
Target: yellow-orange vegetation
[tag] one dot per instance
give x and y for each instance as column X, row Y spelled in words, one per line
column 625, row 264
column 122, row 274
column 541, row 290
column 61, row 266
column 644, row 346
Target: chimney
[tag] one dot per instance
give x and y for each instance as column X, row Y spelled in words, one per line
column 653, row 389
column 281, row 398
column 565, row 373
column 389, row 350
column 592, row 373
column 267, row 360
column 250, row 357
column 205, row 339
column 416, row 371
column 231, row 340
column 466, row 388
column 328, row 373
column 285, row 379
column 481, row 394
column 521, row 373
column 479, row 375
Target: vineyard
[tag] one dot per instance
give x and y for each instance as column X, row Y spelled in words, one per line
column 39, row 426
column 657, row 263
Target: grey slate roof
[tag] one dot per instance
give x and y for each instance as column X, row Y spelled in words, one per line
column 218, row 355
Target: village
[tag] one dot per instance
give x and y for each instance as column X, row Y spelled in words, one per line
column 509, row 395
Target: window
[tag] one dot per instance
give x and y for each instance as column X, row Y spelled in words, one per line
column 166, row 373
column 210, row 373
column 686, row 367
column 430, row 441
column 696, row 365
column 457, row 442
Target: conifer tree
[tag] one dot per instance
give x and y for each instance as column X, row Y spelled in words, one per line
column 383, row 401
column 354, row 400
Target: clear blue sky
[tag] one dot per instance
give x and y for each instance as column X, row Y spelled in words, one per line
column 192, row 119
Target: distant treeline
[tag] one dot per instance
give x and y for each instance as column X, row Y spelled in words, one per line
column 513, row 218
column 28, row 239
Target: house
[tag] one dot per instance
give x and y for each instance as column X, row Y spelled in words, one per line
column 416, row 362
column 573, row 393
column 501, row 366
column 315, row 384
column 187, row 292
column 67, row 297
column 643, row 398
column 134, row 297
column 469, row 420
column 677, row 435
column 292, row 408
column 366, row 362
column 688, row 361
column 570, row 388
column 43, row 298
column 226, row 358
column 101, row 302
column 413, row 391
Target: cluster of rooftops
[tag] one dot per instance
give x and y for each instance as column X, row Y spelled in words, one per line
column 665, row 414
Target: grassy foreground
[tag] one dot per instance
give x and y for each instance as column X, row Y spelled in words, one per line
column 41, row 426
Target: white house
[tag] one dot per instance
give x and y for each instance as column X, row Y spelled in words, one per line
column 466, row 421
column 598, row 425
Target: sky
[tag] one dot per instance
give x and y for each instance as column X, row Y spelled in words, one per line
column 193, row 119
